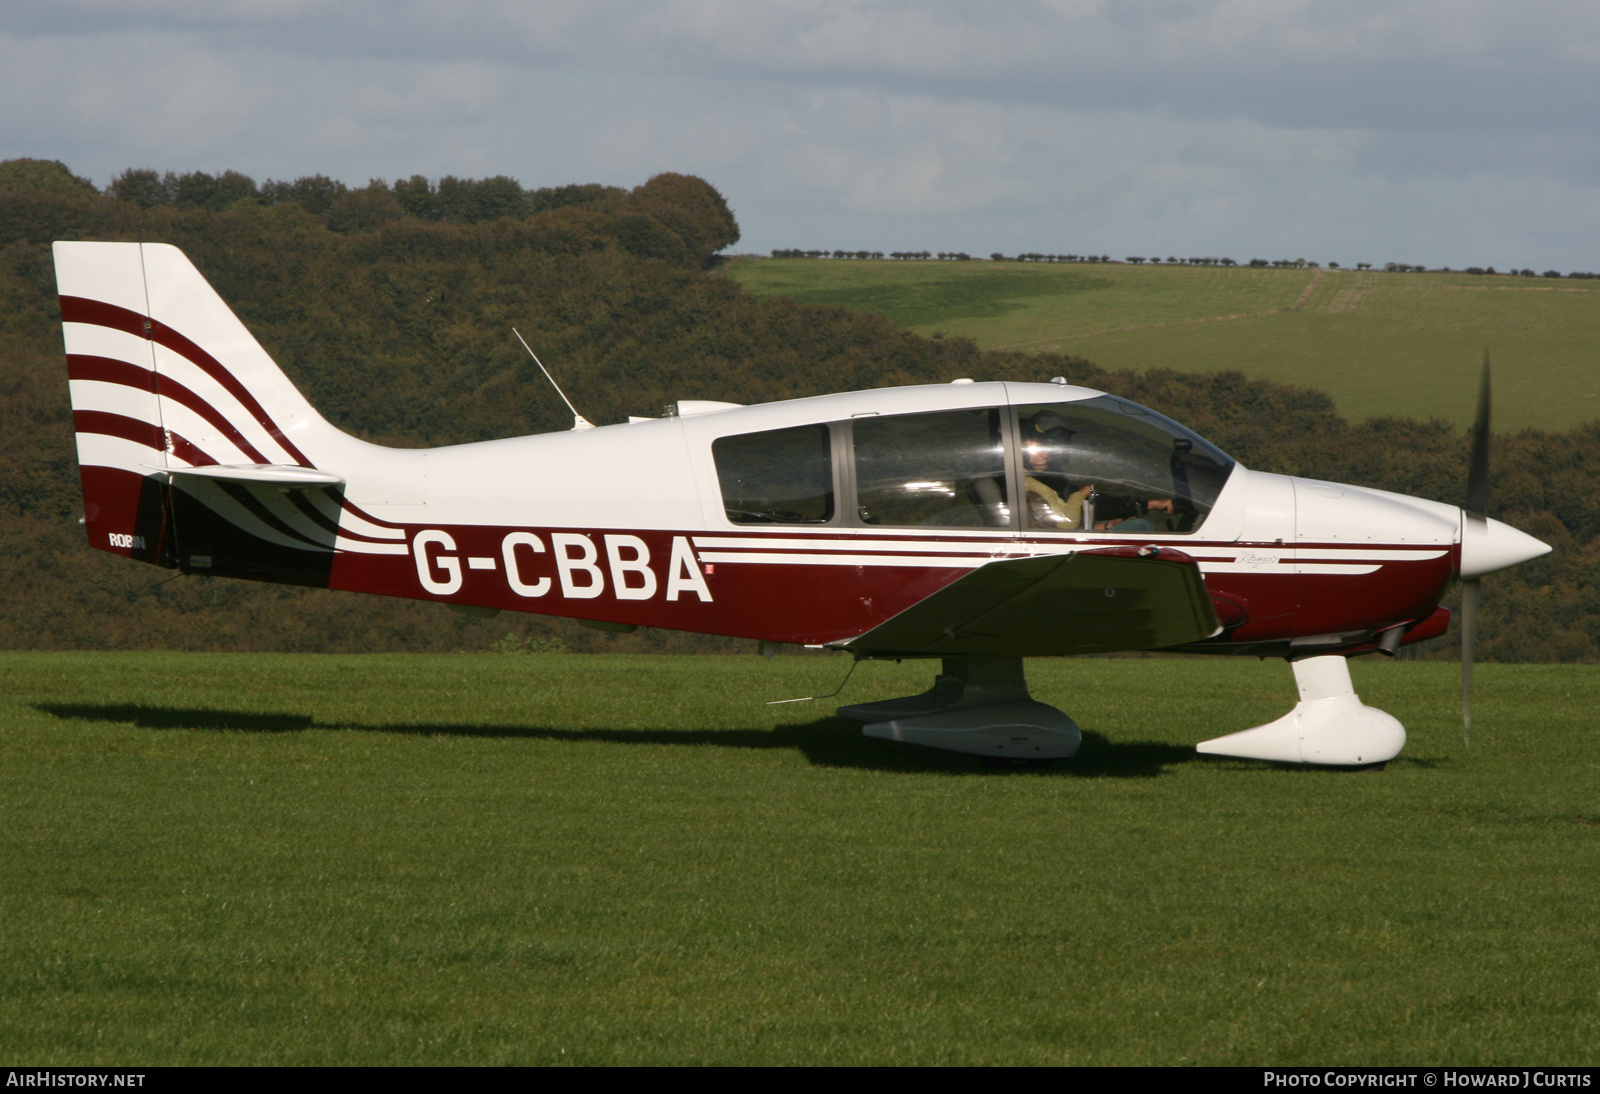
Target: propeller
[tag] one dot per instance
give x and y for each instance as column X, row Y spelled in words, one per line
column 1476, row 523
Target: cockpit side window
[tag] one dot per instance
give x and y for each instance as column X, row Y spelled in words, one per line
column 1106, row 464
column 939, row 470
column 781, row 476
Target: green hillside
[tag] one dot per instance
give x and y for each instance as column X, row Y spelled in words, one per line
column 1382, row 344
column 392, row 307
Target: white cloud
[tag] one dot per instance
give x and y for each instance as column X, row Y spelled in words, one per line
column 1425, row 130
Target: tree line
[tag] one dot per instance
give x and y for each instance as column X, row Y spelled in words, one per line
column 1171, row 260
column 463, row 201
column 397, row 328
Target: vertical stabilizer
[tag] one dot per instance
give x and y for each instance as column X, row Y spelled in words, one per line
column 165, row 378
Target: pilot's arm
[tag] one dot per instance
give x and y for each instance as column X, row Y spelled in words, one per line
column 1146, row 522
column 1049, row 509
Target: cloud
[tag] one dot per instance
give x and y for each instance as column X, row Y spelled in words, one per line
column 1410, row 65
column 1438, row 129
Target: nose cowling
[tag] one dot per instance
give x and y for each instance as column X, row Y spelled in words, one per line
column 1337, row 513
column 1488, row 545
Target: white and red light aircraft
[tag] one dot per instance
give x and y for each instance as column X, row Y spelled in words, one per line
column 975, row 522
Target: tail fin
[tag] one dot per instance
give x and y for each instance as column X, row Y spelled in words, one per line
column 182, row 418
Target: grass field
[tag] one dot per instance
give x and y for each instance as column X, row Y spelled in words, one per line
column 1379, row 343
column 501, row 859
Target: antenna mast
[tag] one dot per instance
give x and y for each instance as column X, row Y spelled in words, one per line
column 578, row 420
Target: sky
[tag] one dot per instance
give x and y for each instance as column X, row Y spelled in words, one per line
column 1430, row 132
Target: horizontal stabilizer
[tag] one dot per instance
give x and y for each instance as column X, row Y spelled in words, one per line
column 272, row 474
column 1098, row 601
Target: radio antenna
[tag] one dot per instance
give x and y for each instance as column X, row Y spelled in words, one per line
column 578, row 420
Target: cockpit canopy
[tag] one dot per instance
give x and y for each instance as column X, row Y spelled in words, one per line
column 1099, row 464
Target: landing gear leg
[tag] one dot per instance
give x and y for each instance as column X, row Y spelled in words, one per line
column 1329, row 725
column 979, row 706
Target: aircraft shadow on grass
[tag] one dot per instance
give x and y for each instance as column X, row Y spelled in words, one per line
column 825, row 742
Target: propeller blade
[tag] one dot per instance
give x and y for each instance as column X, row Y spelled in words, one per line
column 1476, row 521
column 1469, row 617
column 1478, row 465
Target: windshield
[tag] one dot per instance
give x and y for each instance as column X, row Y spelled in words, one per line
column 1106, row 464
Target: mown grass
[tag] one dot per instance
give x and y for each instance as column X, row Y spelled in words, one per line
column 591, row 859
column 1379, row 343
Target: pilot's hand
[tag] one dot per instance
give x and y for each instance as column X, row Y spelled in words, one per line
column 1161, row 505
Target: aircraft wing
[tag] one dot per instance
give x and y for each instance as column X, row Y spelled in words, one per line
column 1097, row 601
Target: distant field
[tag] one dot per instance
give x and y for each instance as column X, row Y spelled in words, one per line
column 1379, row 343
column 216, row 859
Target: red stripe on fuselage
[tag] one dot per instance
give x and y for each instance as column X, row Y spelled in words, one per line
column 815, row 604
column 799, row 604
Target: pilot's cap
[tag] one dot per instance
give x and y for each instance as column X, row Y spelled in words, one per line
column 1047, row 427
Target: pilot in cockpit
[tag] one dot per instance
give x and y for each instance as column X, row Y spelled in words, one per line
column 1044, row 443
column 1046, row 440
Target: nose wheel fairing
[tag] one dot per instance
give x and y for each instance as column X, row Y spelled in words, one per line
column 1329, row 725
